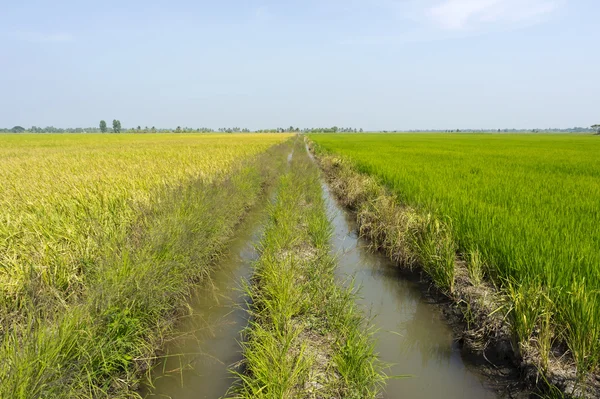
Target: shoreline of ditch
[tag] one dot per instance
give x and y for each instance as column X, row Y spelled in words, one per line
column 196, row 362
column 411, row 319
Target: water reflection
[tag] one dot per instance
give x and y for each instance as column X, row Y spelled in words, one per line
column 421, row 334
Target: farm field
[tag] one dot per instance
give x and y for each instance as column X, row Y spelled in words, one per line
column 100, row 239
column 111, row 243
column 527, row 205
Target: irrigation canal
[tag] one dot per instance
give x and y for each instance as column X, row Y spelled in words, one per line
column 196, row 364
column 412, row 337
column 411, row 334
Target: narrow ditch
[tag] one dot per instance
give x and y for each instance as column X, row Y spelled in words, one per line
column 196, row 363
column 412, row 336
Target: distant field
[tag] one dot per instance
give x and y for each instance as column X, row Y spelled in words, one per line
column 100, row 237
column 530, row 204
column 56, row 189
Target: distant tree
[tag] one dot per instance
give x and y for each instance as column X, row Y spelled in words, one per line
column 103, row 126
column 153, row 129
column 116, row 126
column 17, row 129
column 596, row 128
column 361, row 130
column 178, row 130
column 139, row 128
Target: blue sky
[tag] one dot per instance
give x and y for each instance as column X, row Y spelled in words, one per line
column 375, row 64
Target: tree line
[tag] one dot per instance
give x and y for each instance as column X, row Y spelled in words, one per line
column 117, row 128
column 290, row 129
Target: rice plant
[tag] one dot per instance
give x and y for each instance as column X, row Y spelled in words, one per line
column 101, row 239
column 529, row 206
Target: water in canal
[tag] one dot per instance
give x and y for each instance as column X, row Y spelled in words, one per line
column 412, row 337
column 207, row 345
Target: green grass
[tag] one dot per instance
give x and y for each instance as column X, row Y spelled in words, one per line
column 102, row 238
column 527, row 205
column 306, row 337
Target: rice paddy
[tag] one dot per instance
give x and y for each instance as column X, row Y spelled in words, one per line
column 105, row 238
column 60, row 193
column 101, row 236
column 525, row 207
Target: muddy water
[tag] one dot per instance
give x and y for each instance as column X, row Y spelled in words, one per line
column 411, row 335
column 198, row 359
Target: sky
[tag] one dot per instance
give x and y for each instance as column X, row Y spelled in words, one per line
column 372, row 64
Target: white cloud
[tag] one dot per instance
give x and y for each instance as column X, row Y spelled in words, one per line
column 40, row 37
column 470, row 14
column 262, row 13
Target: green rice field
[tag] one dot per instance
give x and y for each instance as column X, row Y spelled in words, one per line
column 528, row 204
